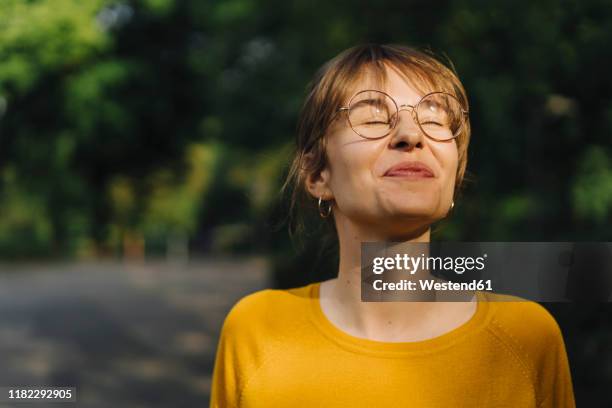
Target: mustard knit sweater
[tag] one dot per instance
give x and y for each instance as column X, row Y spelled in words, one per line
column 278, row 349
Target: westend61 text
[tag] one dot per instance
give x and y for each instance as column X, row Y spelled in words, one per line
column 431, row 284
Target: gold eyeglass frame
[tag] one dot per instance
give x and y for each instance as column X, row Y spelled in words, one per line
column 399, row 108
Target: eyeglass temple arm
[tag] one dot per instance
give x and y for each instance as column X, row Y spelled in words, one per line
column 344, row 108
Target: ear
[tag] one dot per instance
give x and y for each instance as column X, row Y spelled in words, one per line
column 317, row 183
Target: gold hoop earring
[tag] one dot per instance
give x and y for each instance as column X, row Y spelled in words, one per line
column 324, row 214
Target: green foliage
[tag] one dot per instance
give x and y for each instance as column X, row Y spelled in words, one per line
column 41, row 36
column 164, row 118
column 25, row 229
column 592, row 188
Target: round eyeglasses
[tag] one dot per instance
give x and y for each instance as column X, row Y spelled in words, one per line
column 374, row 114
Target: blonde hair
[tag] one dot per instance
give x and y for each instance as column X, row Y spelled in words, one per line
column 331, row 87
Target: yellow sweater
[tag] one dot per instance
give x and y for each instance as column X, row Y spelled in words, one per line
column 278, row 349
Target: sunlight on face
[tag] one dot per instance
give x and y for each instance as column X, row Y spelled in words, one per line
column 395, row 182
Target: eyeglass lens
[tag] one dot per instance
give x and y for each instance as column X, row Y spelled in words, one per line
column 372, row 114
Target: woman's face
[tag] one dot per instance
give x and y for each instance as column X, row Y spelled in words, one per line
column 358, row 176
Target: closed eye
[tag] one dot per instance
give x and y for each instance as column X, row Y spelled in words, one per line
column 432, row 123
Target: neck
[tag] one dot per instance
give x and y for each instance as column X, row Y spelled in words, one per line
column 350, row 237
column 383, row 321
column 372, row 319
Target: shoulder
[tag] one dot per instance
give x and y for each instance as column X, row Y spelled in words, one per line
column 523, row 318
column 527, row 329
column 267, row 309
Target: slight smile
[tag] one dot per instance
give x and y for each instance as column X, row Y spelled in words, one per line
column 410, row 170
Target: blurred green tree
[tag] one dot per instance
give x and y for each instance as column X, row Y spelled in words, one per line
column 103, row 103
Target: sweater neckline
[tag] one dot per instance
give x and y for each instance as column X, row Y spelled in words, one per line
column 474, row 325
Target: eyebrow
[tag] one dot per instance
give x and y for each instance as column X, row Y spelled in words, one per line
column 370, row 101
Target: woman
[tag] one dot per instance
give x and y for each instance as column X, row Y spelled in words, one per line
column 382, row 150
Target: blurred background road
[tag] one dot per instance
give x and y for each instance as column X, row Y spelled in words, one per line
column 125, row 335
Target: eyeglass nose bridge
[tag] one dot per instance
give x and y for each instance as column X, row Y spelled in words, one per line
column 401, row 107
column 411, row 108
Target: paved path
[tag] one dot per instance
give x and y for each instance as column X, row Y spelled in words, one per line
column 126, row 335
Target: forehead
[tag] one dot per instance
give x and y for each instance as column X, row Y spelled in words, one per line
column 406, row 86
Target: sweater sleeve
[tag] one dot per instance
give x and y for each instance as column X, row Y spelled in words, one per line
column 561, row 392
column 239, row 351
column 555, row 378
column 538, row 341
column 225, row 381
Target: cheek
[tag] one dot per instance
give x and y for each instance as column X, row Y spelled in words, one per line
column 351, row 163
column 448, row 158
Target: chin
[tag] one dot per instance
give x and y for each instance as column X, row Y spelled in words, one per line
column 415, row 208
column 405, row 223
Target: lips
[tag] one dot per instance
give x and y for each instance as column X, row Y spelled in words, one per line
column 412, row 169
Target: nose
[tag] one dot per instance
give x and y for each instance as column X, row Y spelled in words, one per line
column 406, row 134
